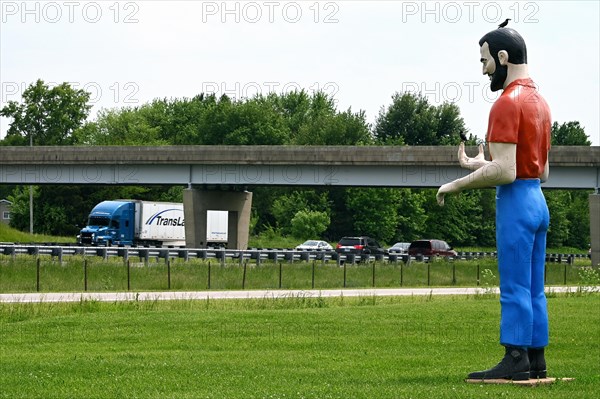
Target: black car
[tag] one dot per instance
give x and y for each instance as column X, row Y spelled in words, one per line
column 359, row 246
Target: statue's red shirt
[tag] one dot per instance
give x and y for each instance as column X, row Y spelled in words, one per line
column 522, row 117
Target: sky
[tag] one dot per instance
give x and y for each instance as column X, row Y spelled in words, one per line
column 127, row 53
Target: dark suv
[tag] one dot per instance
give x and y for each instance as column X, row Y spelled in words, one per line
column 430, row 248
column 359, row 246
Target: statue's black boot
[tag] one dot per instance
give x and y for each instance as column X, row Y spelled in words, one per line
column 514, row 366
column 537, row 363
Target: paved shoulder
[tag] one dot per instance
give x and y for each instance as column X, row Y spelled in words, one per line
column 202, row 295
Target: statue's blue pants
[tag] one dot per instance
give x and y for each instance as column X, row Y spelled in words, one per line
column 521, row 225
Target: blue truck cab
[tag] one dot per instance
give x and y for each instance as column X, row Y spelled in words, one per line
column 110, row 223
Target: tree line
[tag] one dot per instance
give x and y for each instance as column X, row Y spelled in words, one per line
column 59, row 116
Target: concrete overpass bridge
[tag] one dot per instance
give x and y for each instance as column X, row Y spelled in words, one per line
column 204, row 168
column 571, row 167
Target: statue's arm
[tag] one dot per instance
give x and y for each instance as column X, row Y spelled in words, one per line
column 501, row 170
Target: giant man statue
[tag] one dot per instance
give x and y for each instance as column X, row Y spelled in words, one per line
column 518, row 137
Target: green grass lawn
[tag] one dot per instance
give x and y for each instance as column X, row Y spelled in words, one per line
column 9, row 234
column 367, row 347
column 20, row 274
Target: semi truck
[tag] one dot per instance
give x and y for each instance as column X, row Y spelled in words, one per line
column 135, row 222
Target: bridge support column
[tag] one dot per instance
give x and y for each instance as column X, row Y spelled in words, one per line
column 196, row 202
column 595, row 227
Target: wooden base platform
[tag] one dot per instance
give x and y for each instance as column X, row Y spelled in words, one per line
column 530, row 382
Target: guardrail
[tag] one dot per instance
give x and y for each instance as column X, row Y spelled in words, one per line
column 400, row 268
column 255, row 254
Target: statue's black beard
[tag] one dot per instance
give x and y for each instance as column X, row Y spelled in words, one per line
column 498, row 77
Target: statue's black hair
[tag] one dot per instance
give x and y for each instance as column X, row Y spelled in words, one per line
column 506, row 39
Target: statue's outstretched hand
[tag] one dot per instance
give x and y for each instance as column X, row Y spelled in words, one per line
column 447, row 188
column 471, row 163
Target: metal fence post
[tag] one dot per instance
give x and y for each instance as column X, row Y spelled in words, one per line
column 453, row 274
column 373, row 272
column 313, row 275
column 169, row 274
column 428, row 274
column 401, row 273
column 37, row 278
column 85, row 275
column 209, row 275
column 128, row 275
column 244, row 276
column 280, row 272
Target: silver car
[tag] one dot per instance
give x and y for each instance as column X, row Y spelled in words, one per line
column 399, row 248
column 314, row 245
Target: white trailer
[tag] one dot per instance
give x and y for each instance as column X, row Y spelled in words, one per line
column 160, row 222
column 216, row 227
